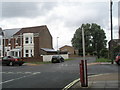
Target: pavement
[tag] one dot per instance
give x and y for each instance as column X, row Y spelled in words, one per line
column 100, row 81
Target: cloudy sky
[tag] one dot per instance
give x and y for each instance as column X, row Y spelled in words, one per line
column 61, row 17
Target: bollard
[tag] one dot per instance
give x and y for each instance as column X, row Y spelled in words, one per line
column 83, row 76
column 86, row 74
column 82, row 73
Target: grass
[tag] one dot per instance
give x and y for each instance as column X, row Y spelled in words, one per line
column 39, row 62
column 69, row 59
column 103, row 60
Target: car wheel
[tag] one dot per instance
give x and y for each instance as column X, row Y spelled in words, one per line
column 59, row 61
column 119, row 62
column 11, row 64
column 20, row 64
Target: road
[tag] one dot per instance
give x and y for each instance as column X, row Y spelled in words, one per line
column 49, row 75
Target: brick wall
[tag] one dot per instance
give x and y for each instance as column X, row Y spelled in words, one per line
column 33, row 59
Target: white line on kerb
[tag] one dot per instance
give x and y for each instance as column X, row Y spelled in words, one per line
column 19, row 78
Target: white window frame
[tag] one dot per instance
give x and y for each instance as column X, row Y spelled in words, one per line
column 26, row 53
column 29, row 53
column 26, row 40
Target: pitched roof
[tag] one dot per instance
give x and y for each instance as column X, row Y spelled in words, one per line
column 67, row 46
column 10, row 32
column 48, row 50
column 35, row 29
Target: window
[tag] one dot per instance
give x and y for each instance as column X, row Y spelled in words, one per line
column 16, row 41
column 27, row 53
column 16, row 54
column 31, row 53
column 26, row 40
column 0, row 42
column 0, row 53
column 9, row 42
column 31, row 40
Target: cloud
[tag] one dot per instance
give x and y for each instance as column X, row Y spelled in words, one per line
column 25, row 9
column 62, row 18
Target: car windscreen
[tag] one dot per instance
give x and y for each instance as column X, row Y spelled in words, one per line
column 16, row 57
column 5, row 58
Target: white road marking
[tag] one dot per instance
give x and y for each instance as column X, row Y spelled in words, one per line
column 20, row 72
column 20, row 77
column 28, row 72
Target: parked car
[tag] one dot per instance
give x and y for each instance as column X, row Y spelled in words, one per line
column 117, row 60
column 57, row 59
column 10, row 60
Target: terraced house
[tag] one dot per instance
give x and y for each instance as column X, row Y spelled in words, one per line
column 27, row 42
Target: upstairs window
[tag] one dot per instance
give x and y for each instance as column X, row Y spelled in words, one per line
column 31, row 40
column 16, row 41
column 26, row 40
column 9, row 42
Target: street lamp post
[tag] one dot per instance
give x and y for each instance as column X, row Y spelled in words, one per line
column 111, row 25
column 57, row 45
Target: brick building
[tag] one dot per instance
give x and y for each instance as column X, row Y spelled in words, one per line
column 27, row 42
column 69, row 49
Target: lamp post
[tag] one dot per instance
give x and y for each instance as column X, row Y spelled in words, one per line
column 111, row 25
column 84, row 61
column 57, row 45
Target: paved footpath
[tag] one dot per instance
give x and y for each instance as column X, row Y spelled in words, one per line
column 102, row 81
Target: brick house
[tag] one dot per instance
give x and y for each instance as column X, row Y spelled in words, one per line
column 27, row 42
column 69, row 49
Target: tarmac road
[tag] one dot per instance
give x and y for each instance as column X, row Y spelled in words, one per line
column 49, row 75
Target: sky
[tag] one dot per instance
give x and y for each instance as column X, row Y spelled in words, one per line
column 62, row 17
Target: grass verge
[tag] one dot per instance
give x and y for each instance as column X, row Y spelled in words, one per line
column 69, row 59
column 39, row 62
column 103, row 60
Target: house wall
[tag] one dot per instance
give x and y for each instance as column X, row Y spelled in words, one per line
column 70, row 49
column 33, row 59
column 48, row 58
column 36, row 47
column 45, row 40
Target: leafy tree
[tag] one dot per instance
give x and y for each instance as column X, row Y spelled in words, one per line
column 116, row 50
column 94, row 39
column 104, row 53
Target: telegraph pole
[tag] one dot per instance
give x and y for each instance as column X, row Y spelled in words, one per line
column 111, row 25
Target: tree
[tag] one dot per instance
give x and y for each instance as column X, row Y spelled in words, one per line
column 116, row 50
column 104, row 53
column 94, row 39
